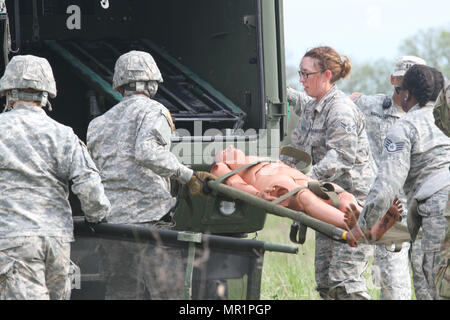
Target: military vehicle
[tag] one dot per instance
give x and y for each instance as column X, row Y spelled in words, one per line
column 224, row 82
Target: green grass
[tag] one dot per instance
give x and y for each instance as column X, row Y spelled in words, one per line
column 291, row 276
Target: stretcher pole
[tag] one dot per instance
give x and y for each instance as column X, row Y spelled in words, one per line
column 327, row 229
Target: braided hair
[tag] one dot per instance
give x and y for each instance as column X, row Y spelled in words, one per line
column 439, row 82
column 419, row 81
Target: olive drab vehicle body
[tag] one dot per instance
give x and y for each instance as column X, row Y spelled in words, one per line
column 222, row 64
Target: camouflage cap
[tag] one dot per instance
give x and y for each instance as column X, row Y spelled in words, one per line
column 28, row 72
column 402, row 64
column 441, row 110
column 135, row 66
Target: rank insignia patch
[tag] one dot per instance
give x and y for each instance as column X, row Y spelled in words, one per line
column 393, row 146
column 348, row 128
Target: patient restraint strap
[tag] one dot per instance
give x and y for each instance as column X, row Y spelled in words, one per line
column 325, row 191
column 248, row 165
column 287, row 195
column 304, row 160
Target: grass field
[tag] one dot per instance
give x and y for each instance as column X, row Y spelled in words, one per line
column 291, row 276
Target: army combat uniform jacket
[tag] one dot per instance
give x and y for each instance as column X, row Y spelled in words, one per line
column 378, row 119
column 38, row 158
column 130, row 145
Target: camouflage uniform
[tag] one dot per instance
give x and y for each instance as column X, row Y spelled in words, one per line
column 441, row 110
column 421, row 284
column 34, row 268
column 332, row 131
column 416, row 151
column 442, row 280
column 390, row 270
column 38, row 158
column 130, row 144
column 441, row 114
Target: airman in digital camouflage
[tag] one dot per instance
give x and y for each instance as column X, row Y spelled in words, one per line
column 390, row 270
column 332, row 130
column 416, row 157
column 38, row 159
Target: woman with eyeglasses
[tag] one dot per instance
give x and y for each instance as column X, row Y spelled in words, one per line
column 416, row 157
column 332, row 130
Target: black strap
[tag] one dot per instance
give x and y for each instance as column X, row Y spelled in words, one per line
column 298, row 232
column 168, row 217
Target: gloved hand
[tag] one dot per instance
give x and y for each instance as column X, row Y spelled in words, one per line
column 195, row 185
column 91, row 225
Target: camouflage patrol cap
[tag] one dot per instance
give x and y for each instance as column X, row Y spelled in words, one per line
column 28, row 72
column 402, row 64
column 441, row 110
column 135, row 66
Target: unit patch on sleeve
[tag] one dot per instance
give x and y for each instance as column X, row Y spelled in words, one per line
column 355, row 96
column 169, row 119
column 83, row 144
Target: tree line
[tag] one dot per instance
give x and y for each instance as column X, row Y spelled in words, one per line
column 372, row 77
column 433, row 45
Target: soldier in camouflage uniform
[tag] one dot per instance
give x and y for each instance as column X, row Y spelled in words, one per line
column 416, row 253
column 332, row 130
column 416, row 157
column 130, row 144
column 390, row 270
column 38, row 158
column 441, row 111
column 441, row 114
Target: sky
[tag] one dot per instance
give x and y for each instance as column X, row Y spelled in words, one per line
column 365, row 30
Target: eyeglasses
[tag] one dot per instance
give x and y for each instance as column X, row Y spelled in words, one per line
column 398, row 89
column 305, row 75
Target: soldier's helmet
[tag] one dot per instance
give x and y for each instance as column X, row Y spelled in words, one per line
column 135, row 66
column 28, row 72
column 402, row 64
